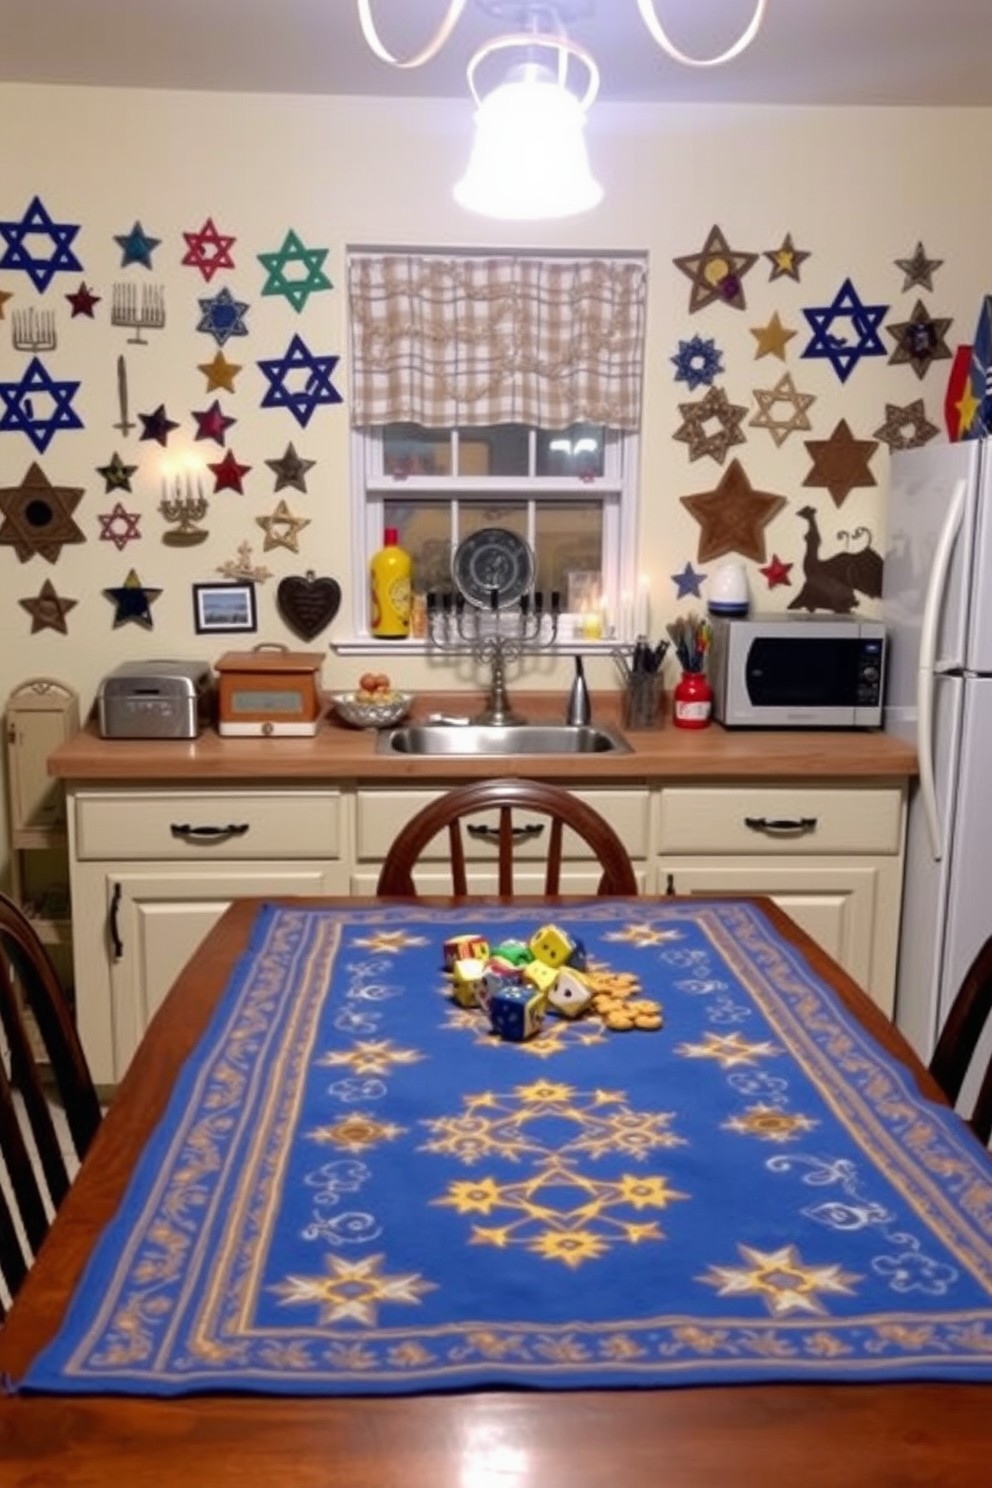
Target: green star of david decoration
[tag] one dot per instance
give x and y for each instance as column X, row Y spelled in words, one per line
column 296, row 290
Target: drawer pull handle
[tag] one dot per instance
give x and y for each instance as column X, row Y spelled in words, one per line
column 491, row 834
column 794, row 824
column 115, row 932
column 208, row 834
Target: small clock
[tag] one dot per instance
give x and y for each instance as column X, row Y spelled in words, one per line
column 268, row 691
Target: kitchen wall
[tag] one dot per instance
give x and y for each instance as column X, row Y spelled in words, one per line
column 856, row 189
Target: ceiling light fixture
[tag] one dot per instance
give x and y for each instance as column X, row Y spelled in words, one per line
column 529, row 156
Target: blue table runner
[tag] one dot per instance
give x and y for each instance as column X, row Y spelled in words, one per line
column 358, row 1189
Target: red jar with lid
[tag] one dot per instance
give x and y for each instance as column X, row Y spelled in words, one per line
column 692, row 701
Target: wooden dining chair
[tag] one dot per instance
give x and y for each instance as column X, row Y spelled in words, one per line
column 959, row 1039
column 35, row 1070
column 507, row 797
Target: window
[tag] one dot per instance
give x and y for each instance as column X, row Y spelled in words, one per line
column 500, row 392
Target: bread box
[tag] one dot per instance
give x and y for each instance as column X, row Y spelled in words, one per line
column 268, row 691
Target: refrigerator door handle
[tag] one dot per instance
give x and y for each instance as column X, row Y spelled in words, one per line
column 928, row 651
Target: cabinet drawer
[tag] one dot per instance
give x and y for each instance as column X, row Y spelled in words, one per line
column 381, row 814
column 779, row 819
column 256, row 824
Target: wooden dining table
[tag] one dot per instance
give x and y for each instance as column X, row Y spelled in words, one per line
column 886, row 1435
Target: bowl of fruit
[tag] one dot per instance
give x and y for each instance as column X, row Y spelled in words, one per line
column 375, row 703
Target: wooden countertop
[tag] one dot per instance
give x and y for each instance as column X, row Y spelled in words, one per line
column 337, row 752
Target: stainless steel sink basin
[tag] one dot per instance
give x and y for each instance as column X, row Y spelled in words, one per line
column 509, row 739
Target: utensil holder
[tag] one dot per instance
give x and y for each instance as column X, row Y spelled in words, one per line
column 642, row 701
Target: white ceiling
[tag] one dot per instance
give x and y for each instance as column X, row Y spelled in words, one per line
column 920, row 52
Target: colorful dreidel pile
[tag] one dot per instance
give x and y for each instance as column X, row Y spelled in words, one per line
column 515, row 982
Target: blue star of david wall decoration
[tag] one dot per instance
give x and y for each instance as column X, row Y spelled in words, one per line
column 34, row 224
column 223, row 316
column 20, row 411
column 865, row 321
column 697, row 362
column 318, row 388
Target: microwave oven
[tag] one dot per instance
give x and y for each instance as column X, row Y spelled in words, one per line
column 792, row 671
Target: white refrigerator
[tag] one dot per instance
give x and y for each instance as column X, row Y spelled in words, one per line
column 937, row 608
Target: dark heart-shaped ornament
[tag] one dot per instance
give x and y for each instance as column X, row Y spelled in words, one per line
column 308, row 604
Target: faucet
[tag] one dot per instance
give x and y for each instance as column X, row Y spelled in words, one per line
column 578, row 710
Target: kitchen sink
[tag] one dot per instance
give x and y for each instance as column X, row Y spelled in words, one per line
column 500, row 741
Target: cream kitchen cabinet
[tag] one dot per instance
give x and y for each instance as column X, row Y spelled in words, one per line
column 831, row 856
column 152, row 869
column 380, row 813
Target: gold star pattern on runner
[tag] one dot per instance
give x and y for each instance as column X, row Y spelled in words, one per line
column 48, row 610
column 786, row 393
column 733, row 516
column 372, row 1057
column 728, row 1049
column 717, row 273
column 38, row 516
column 697, row 431
column 282, row 529
column 356, row 1132
column 770, row 1123
column 918, row 270
column 920, row 340
column 354, row 1290
column 906, row 426
column 786, row 260
column 840, row 463
column 781, row 1280
column 642, row 936
column 220, row 373
column 772, row 338
column 389, row 940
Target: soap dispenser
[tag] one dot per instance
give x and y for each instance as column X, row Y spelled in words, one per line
column 579, row 710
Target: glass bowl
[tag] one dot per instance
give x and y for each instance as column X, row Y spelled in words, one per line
column 369, row 713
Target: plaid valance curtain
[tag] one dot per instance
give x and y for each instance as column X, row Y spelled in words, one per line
column 447, row 341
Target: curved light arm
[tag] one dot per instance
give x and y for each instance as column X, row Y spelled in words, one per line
column 650, row 19
column 563, row 48
column 426, row 53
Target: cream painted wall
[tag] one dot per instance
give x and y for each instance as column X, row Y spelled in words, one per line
column 857, row 188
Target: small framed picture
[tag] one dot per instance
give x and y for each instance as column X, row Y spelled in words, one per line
column 224, row 607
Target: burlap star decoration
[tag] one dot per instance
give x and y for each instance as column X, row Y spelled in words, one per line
column 786, row 394
column 906, row 426
column 733, row 516
column 841, row 462
column 697, row 428
column 716, row 272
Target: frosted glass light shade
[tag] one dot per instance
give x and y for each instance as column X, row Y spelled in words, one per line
column 529, row 155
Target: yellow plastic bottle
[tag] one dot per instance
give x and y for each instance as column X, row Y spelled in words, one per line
column 389, row 572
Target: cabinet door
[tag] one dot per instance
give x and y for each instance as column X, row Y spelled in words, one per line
column 849, row 908
column 160, row 918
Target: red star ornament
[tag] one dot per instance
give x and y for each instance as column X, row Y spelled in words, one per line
column 228, row 474
column 119, row 526
column 777, row 572
column 82, row 301
column 733, row 516
column 212, row 423
column 208, row 250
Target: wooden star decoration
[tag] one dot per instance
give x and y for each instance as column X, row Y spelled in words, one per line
column 777, row 573
column 116, row 475
column 717, row 273
column 38, row 516
column 841, row 462
column 48, row 610
column 918, row 270
column 920, row 340
column 282, row 529
column 697, row 431
column 228, row 474
column 219, row 372
column 132, row 602
column 784, row 393
column 733, row 516
column 291, row 470
column 772, row 339
column 119, row 526
column 786, row 260
column 906, row 426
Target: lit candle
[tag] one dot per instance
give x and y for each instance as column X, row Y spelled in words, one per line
column 642, row 608
column 626, row 620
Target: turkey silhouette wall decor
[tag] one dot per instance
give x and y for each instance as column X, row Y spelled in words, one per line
column 835, row 582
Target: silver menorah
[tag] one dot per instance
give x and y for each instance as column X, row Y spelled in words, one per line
column 138, row 312
column 493, row 635
column 33, row 330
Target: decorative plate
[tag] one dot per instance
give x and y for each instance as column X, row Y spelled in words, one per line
column 367, row 714
column 493, row 558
